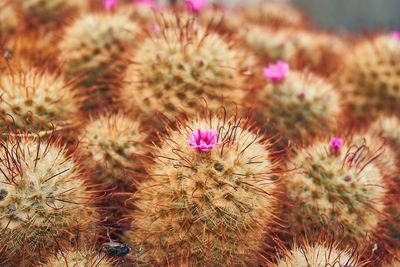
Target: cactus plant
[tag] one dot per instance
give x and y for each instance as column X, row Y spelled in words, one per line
column 180, row 68
column 94, row 46
column 320, row 254
column 113, row 142
column 44, row 201
column 38, row 97
column 274, row 14
column 343, row 184
column 211, row 196
column 299, row 106
column 79, row 257
column 318, row 51
column 371, row 77
column 48, row 12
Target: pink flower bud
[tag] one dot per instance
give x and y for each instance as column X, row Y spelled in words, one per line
column 336, row 144
column 203, row 140
column 195, row 5
column 155, row 28
column 277, row 71
column 148, row 3
column 396, row 35
column 109, row 4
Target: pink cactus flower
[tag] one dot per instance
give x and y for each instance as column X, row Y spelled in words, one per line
column 203, row 140
column 109, row 4
column 277, row 71
column 396, row 35
column 148, row 3
column 196, row 5
column 336, row 144
column 155, row 28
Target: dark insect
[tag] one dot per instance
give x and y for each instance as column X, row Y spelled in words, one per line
column 115, row 249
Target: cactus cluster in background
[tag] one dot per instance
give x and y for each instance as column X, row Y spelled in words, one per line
column 140, row 133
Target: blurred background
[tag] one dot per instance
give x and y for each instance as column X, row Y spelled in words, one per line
column 343, row 15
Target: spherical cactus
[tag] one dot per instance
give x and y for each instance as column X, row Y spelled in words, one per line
column 44, row 201
column 371, row 77
column 48, row 12
column 37, row 97
column 274, row 14
column 210, row 199
column 299, row 105
column 340, row 186
column 181, row 68
column 79, row 257
column 94, row 46
column 318, row 51
column 269, row 43
column 113, row 142
column 389, row 128
column 320, row 254
column 223, row 19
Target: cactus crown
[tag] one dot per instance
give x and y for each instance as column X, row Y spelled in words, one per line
column 339, row 186
column 299, row 105
column 209, row 204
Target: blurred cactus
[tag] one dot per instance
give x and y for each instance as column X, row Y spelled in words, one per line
column 181, row 67
column 371, row 77
column 95, row 46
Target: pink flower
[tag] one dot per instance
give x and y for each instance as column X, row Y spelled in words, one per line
column 396, row 35
column 109, row 4
column 336, row 144
column 277, row 71
column 149, row 3
column 155, row 28
column 196, row 5
column 203, row 140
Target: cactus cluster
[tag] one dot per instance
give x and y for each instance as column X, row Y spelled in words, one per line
column 146, row 133
column 204, row 205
